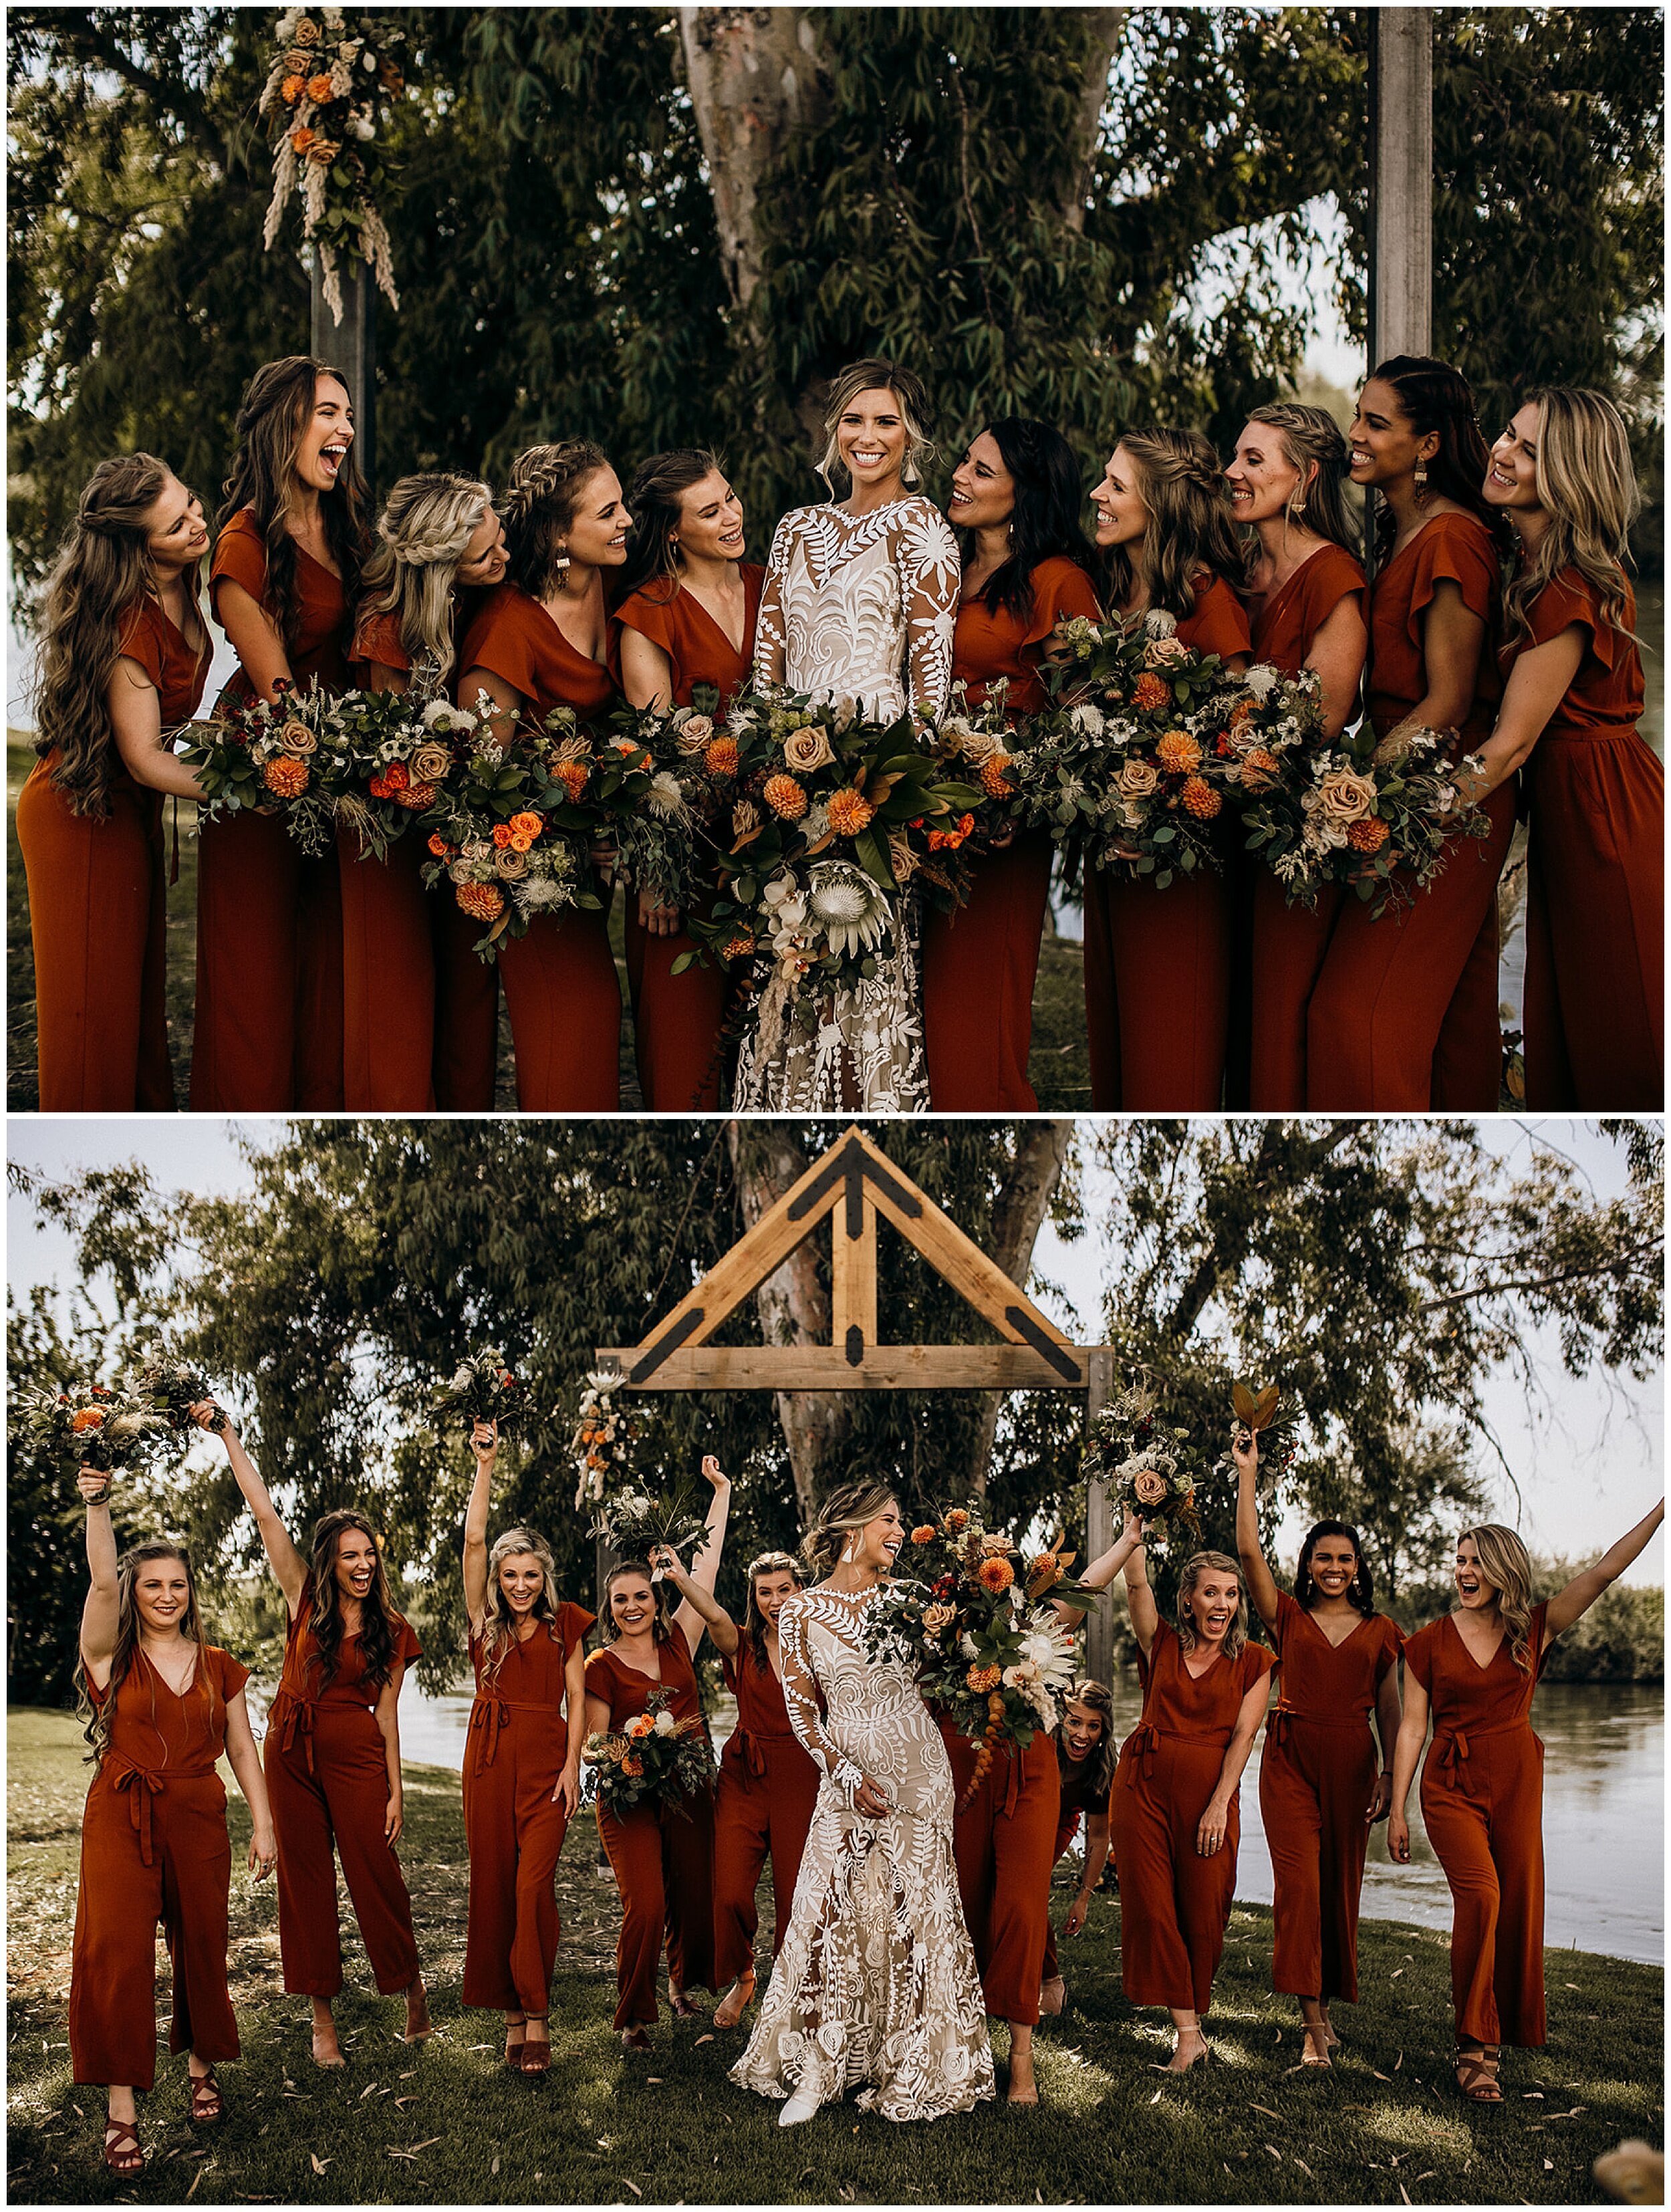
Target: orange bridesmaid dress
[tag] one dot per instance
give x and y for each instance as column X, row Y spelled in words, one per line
column 269, row 1031
column 154, row 1848
column 420, row 1010
column 514, row 1760
column 1173, row 1903
column 1316, row 1782
column 1075, row 1801
column 1289, row 942
column 560, row 981
column 1482, row 1801
column 979, row 965
column 96, row 910
column 767, row 1787
column 663, row 1860
column 327, row 1778
column 1403, row 1016
column 676, row 1018
column 1004, row 1842
column 1596, row 875
column 1158, row 964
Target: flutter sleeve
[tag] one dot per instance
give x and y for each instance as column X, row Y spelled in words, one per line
column 926, row 553
column 800, row 1699
column 771, row 636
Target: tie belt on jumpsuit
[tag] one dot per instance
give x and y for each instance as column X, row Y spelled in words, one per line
column 752, row 1742
column 491, row 1714
column 293, row 1716
column 1456, row 1741
column 140, row 1784
column 1276, row 1727
column 1145, row 1740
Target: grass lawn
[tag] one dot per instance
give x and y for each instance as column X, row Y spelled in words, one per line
column 446, row 2124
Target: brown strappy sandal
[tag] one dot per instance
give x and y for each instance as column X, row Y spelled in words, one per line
column 206, row 2106
column 514, row 2051
column 1476, row 2077
column 123, row 2154
column 730, row 2010
column 537, row 2055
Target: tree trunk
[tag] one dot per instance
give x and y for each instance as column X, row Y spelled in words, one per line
column 1104, row 29
column 1040, row 1155
column 753, row 77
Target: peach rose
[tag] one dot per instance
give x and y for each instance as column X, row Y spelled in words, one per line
column 1345, row 796
column 807, row 750
column 429, row 763
column 1138, row 779
column 296, row 739
column 1150, row 1487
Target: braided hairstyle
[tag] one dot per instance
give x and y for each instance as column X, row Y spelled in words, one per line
column 1190, row 528
column 422, row 534
column 1049, row 497
column 655, row 504
column 1435, row 396
column 540, row 504
column 1311, row 435
column 845, row 1508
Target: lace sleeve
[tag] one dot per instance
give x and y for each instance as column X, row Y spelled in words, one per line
column 929, row 570
column 800, row 1698
column 770, row 642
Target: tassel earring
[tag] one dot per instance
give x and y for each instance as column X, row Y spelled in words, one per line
column 1422, row 493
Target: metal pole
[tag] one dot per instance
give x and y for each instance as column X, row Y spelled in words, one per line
column 1400, row 182
column 1099, row 1524
column 351, row 346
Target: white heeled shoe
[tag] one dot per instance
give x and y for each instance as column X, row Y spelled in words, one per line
column 801, row 2107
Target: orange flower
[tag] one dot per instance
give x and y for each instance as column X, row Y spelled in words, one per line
column 1177, row 753
column 784, row 797
column 925, row 1535
column 1149, row 693
column 957, row 1519
column 1259, row 768
column 377, row 787
column 633, row 1767
column 641, row 1726
column 1201, row 799
column 301, row 141
column 719, row 755
column 571, row 775
column 286, row 778
column 521, row 841
column 318, row 90
column 89, row 1416
column 501, row 835
column 416, row 796
column 481, row 901
column 740, row 947
column 983, row 1678
column 292, row 89
column 1367, row 834
column 994, row 780
column 849, row 813
column 396, row 775
column 1240, row 712
column 439, row 846
column 526, row 825
column 995, row 1575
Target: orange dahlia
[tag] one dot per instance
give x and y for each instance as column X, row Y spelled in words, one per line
column 924, row 1535
column 1201, row 799
column 983, row 1678
column 994, row 780
column 1259, row 768
column 995, row 1575
column 285, row 778
column 571, row 775
column 956, row 1519
column 1177, row 753
column 416, row 796
column 318, row 90
column 89, row 1416
column 292, row 89
column 1149, row 693
column 1367, row 835
column 719, row 755
column 784, row 797
column 301, row 140
column 849, row 813
column 481, row 901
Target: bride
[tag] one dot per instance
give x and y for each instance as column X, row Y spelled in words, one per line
column 859, row 603
column 876, row 1981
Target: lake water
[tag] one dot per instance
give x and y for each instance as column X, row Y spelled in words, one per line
column 1603, row 1815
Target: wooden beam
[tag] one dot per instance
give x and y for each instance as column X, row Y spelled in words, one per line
column 1099, row 1524
column 351, row 345
column 884, row 1367
column 852, row 1275
column 1401, row 181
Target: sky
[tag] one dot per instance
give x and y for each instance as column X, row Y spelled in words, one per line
column 1590, row 1459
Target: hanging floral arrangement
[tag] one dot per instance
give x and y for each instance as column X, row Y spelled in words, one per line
column 321, row 102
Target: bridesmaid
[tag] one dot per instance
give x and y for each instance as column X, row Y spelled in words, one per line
column 1473, row 1673
column 768, row 1785
column 124, row 657
column 544, row 639
column 663, row 1860
column 1320, row 1788
column 1015, row 503
column 1085, row 1752
column 687, row 619
column 1404, row 1014
column 522, row 1766
column 1595, row 889
column 285, row 574
column 1158, row 964
column 1305, row 595
column 160, row 1707
column 1173, row 1814
column 333, row 1757
column 431, row 1039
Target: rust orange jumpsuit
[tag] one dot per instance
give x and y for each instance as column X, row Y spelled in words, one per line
column 1002, row 1841
column 767, row 1789
column 420, row 1011
column 1289, row 942
column 560, row 981
column 663, row 1860
column 268, row 1030
column 1158, row 964
column 676, row 1018
column 154, row 1848
column 1404, row 1012
column 514, row 1760
column 327, row 1776
column 96, row 910
column 1173, row 1903
column 1595, row 878
column 979, row 965
column 1077, row 1798
column 1316, row 1782
column 1482, row 1801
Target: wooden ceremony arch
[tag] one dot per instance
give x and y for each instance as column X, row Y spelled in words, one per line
column 853, row 1185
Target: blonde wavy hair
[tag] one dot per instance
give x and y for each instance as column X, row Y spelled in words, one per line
column 845, row 1508
column 1587, row 486
column 422, row 534
column 1181, row 481
column 498, row 1621
column 544, row 490
column 1194, row 1568
column 912, row 397
column 1503, row 1563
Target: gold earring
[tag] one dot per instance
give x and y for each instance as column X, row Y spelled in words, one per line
column 1422, row 493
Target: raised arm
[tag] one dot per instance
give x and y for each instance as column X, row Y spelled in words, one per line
column 1406, row 1757
column 102, row 1608
column 690, row 1617
column 1210, row 1829
column 289, row 1568
column 701, row 1610
column 1582, row 1592
column 1100, row 1573
column 771, row 636
column 1139, row 1598
column 245, row 1761
column 927, row 552
column 1261, row 1583
column 484, row 1441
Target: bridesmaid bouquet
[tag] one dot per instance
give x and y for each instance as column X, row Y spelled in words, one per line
column 1142, row 1462
column 625, row 793
column 402, row 750
column 654, row 1757
column 482, row 1388
column 629, row 1516
column 1265, row 1413
column 982, row 741
column 168, row 1385
column 290, row 755
column 114, row 1430
column 493, row 836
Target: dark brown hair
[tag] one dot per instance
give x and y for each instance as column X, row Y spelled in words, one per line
column 654, row 502
column 1360, row 1589
column 376, row 1613
column 661, row 1626
column 1438, row 398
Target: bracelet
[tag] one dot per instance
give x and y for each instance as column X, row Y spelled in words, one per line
column 100, row 1496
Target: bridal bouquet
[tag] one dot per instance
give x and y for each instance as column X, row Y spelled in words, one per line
column 494, row 834
column 114, row 1430
column 972, row 1622
column 482, row 1388
column 654, row 1756
column 1144, row 1464
column 290, row 755
column 169, row 1385
column 1378, row 817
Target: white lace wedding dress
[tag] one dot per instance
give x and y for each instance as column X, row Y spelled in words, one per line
column 859, row 607
column 876, row 1982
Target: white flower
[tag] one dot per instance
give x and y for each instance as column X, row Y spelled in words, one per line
column 1088, row 720
column 463, row 1377
column 851, row 908
column 437, row 712
column 1261, row 682
column 539, row 893
column 665, row 1725
column 663, row 798
column 966, row 1647
column 1158, row 623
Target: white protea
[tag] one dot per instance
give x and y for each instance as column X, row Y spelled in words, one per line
column 1088, row 720
column 1261, row 681
column 850, row 908
column 1158, row 623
